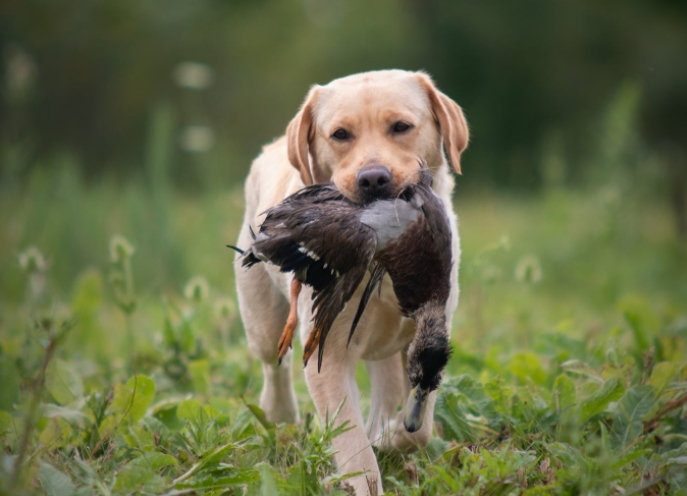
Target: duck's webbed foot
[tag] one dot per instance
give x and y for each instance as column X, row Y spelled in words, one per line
column 291, row 322
column 310, row 344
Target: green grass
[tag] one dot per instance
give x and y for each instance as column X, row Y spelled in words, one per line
column 569, row 364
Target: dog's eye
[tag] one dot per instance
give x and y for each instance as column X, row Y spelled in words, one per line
column 341, row 134
column 400, row 127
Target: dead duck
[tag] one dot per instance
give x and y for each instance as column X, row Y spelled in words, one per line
column 329, row 243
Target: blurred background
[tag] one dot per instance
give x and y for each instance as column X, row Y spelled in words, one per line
column 140, row 118
column 127, row 128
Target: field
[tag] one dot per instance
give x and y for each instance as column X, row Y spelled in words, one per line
column 124, row 369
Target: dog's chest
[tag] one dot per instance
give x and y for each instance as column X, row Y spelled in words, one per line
column 386, row 331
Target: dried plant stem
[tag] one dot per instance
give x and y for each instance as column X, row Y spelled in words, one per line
column 38, row 387
column 129, row 281
column 130, row 342
column 650, row 424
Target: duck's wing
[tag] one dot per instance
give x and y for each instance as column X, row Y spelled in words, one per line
column 281, row 237
column 329, row 302
column 318, row 238
column 376, row 276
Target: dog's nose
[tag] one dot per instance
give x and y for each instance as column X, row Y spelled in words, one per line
column 374, row 181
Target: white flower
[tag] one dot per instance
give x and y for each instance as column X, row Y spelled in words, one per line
column 197, row 289
column 528, row 270
column 32, row 260
column 120, row 248
column 197, row 138
column 224, row 308
column 193, row 75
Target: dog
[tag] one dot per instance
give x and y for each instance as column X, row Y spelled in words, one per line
column 367, row 133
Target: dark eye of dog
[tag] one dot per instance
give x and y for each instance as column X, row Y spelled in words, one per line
column 341, row 134
column 400, row 127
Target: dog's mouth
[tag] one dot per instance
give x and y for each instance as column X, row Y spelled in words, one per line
column 380, row 183
column 388, row 194
column 422, row 177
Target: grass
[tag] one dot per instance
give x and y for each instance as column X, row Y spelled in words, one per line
column 124, row 367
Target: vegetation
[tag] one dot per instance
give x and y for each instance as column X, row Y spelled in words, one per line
column 123, row 363
column 119, row 377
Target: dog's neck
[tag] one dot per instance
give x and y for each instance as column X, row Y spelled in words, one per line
column 443, row 181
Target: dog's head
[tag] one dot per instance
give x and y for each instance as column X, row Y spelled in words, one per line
column 369, row 133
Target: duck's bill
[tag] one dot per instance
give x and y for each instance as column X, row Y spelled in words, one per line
column 415, row 409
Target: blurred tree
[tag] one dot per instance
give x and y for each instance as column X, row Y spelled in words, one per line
column 85, row 75
column 662, row 56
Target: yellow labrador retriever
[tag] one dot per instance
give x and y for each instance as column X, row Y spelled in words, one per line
column 366, row 133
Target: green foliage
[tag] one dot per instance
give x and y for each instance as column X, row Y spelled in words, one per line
column 568, row 375
column 54, row 482
column 634, row 406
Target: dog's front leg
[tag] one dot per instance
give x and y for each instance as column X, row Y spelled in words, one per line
column 387, row 379
column 264, row 310
column 330, row 389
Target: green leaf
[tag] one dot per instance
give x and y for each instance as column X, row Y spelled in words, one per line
column 209, row 459
column 154, row 461
column 133, row 398
column 262, row 418
column 500, row 394
column 88, row 334
column 526, row 365
column 641, row 318
column 75, row 418
column 241, row 478
column 681, row 451
column 200, row 375
column 597, row 402
column 242, row 426
column 269, row 485
column 632, row 407
column 54, row 482
column 190, row 410
column 564, row 389
column 63, row 382
column 9, row 378
column 134, row 478
column 6, row 423
column 447, row 478
column 662, row 374
column 479, row 401
column 581, row 368
column 630, row 457
column 463, row 402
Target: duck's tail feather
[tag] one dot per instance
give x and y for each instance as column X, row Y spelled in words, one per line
column 237, row 249
column 375, row 281
column 249, row 259
column 329, row 303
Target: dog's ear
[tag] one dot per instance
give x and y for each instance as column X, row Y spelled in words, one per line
column 299, row 135
column 454, row 127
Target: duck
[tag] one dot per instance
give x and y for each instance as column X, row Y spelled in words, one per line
column 330, row 243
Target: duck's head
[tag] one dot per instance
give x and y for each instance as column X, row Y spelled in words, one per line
column 427, row 356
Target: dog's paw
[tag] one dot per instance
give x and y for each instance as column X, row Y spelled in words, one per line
column 395, row 437
column 408, row 442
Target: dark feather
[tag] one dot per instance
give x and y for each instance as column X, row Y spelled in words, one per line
column 330, row 302
column 236, row 248
column 317, row 234
column 376, row 276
